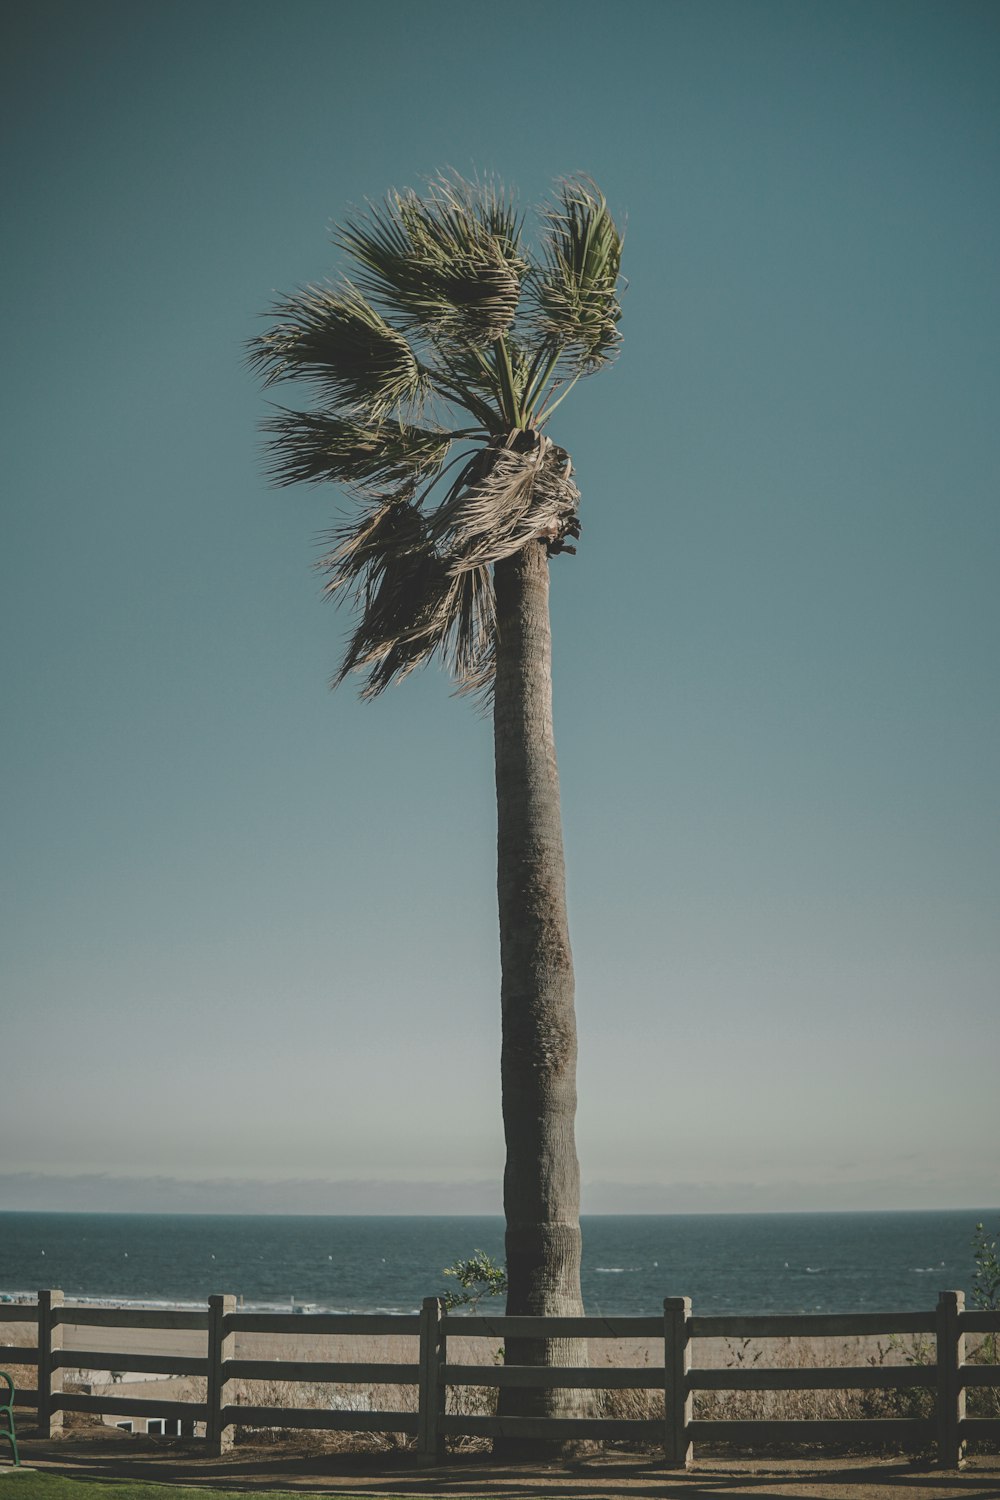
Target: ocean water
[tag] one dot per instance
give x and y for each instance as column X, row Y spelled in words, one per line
column 726, row 1263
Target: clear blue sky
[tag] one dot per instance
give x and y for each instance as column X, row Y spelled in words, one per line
column 250, row 925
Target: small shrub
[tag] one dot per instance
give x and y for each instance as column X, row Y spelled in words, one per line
column 479, row 1277
column 984, row 1401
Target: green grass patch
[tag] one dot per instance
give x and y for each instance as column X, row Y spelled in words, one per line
column 33, row 1484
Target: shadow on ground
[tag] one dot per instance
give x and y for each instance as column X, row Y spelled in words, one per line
column 478, row 1477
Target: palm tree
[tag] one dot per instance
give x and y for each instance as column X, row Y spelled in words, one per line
column 434, row 372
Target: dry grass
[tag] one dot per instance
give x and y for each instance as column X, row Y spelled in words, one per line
column 316, row 1396
column 796, row 1354
column 23, row 1376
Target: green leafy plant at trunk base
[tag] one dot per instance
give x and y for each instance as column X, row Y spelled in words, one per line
column 479, row 1277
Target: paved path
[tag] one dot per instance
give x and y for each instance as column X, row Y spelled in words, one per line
column 286, row 1468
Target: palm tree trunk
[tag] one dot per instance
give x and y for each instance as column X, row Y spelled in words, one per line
column 538, row 1061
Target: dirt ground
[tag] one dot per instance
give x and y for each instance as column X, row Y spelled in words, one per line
column 292, row 1466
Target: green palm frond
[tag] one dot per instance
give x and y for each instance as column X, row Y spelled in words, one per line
column 574, row 294
column 339, row 340
column 448, row 265
column 492, row 385
column 468, row 378
column 313, row 445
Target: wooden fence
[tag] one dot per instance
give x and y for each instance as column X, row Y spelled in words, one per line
column 676, row 1431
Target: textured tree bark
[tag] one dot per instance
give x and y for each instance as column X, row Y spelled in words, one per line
column 538, row 1059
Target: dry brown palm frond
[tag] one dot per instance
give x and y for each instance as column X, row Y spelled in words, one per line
column 423, row 583
column 392, row 529
column 397, row 630
column 412, row 602
column 419, row 608
column 523, row 490
column 470, row 644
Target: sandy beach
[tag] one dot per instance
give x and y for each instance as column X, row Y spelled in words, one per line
column 403, row 1350
column 707, row 1353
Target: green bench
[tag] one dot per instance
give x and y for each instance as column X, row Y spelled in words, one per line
column 7, row 1416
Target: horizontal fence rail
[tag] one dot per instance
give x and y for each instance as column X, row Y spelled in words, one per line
column 811, row 1325
column 675, row 1428
column 128, row 1317
column 335, row 1323
column 555, row 1328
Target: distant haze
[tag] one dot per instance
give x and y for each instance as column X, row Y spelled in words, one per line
column 101, row 1193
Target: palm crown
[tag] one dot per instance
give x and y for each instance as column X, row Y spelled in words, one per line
column 435, row 369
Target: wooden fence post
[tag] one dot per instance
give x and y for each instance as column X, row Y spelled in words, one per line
column 678, row 1401
column 950, row 1390
column 220, row 1349
column 50, row 1378
column 433, row 1353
